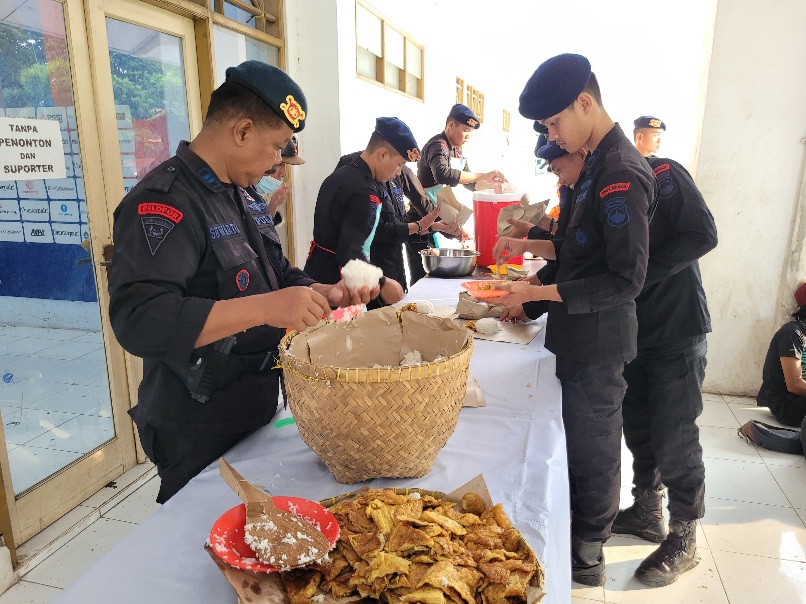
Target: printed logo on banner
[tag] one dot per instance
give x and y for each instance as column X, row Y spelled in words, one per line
column 11, row 231
column 57, row 114
column 32, row 189
column 85, row 232
column 64, row 211
column 67, row 233
column 34, row 209
column 8, row 189
column 37, row 232
column 61, row 188
column 9, row 209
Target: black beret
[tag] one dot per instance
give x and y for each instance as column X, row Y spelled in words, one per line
column 554, row 86
column 542, row 139
column 648, row 121
column 290, row 152
column 397, row 134
column 464, row 115
column 551, row 151
column 540, row 128
column 275, row 88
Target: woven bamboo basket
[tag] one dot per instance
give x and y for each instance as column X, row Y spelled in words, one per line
column 376, row 422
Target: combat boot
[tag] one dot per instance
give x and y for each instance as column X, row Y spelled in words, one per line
column 676, row 555
column 644, row 518
column 587, row 562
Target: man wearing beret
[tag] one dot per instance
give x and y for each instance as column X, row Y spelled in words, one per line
column 442, row 164
column 349, row 205
column 664, row 382
column 200, row 288
column 397, row 225
column 567, row 167
column 646, row 134
column 601, row 265
column 273, row 187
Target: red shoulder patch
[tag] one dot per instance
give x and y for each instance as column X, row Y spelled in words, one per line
column 160, row 209
column 661, row 168
column 616, row 187
column 374, row 199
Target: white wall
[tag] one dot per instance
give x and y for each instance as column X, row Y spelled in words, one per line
column 750, row 171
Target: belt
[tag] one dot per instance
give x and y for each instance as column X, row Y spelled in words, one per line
column 315, row 245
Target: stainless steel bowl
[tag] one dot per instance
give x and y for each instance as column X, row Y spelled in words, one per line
column 448, row 262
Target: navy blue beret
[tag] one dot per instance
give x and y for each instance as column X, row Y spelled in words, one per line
column 554, row 86
column 540, row 128
column 397, row 134
column 648, row 121
column 542, row 139
column 290, row 152
column 551, row 151
column 275, row 88
column 464, row 115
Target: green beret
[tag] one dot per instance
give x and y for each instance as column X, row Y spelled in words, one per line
column 275, row 88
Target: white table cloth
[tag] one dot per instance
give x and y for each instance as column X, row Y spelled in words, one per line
column 517, row 442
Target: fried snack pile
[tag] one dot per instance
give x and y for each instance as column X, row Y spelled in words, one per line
column 411, row 548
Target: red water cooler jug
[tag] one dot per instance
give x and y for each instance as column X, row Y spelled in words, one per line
column 486, row 207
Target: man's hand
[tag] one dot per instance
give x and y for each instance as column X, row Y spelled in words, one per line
column 391, row 291
column 493, row 176
column 514, row 314
column 296, row 308
column 507, row 247
column 277, row 199
column 428, row 220
column 519, row 292
column 340, row 295
column 534, row 280
column 520, row 228
column 447, row 228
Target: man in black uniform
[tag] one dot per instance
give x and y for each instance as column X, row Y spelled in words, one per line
column 646, row 134
column 601, row 264
column 664, row 382
column 349, row 205
column 567, row 167
column 442, row 164
column 199, row 287
column 397, row 225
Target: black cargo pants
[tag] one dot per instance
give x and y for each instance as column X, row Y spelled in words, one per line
column 663, row 401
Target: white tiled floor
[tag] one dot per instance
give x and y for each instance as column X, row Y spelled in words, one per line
column 54, row 399
column 752, row 540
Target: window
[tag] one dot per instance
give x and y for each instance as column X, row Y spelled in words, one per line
column 460, row 90
column 475, row 100
column 263, row 16
column 506, row 121
column 386, row 55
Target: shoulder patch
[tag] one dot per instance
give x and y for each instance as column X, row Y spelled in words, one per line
column 616, row 187
column 156, row 230
column 375, row 199
column 160, row 209
column 661, row 168
column 617, row 214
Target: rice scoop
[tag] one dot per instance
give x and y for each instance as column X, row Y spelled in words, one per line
column 358, row 274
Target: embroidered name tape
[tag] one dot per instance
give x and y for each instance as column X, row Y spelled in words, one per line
column 160, row 209
column 616, row 187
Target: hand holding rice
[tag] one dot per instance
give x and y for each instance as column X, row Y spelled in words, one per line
column 357, row 274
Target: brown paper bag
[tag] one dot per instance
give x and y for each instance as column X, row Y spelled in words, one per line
column 451, row 211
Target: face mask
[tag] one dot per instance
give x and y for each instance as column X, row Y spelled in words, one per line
column 268, row 185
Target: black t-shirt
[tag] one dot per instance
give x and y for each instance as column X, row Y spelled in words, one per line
column 789, row 341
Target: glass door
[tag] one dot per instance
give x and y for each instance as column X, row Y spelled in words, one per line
column 64, row 436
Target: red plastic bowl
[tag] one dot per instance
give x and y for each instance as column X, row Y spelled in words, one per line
column 226, row 536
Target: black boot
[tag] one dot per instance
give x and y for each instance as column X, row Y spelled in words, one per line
column 644, row 518
column 676, row 555
column 587, row 562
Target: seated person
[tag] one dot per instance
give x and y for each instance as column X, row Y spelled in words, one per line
column 783, row 388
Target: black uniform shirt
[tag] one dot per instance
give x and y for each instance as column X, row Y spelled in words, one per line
column 672, row 304
column 789, row 341
column 392, row 231
column 181, row 243
column 434, row 166
column 345, row 215
column 602, row 258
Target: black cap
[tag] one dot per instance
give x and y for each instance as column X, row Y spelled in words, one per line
column 648, row 121
column 540, row 128
column 551, row 151
column 275, row 88
column 397, row 134
column 290, row 152
column 542, row 140
column 554, row 86
column 464, row 115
